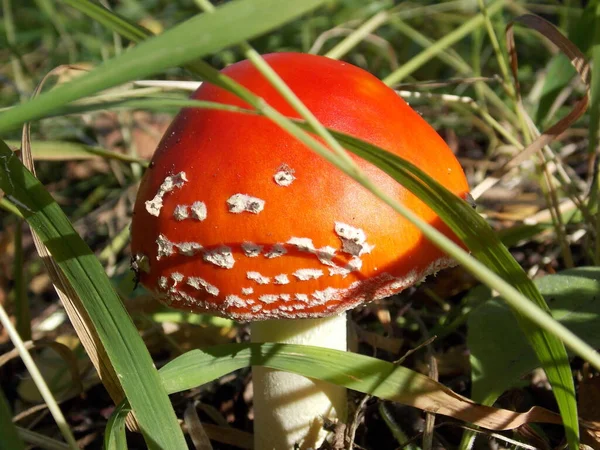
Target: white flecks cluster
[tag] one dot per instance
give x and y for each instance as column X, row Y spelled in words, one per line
column 247, row 291
column 251, row 249
column 201, row 284
column 308, row 274
column 177, row 278
column 354, row 240
column 326, row 255
column 196, row 210
column 167, row 248
column 302, row 244
column 301, row 297
column 284, row 176
column 171, row 182
column 163, row 284
column 276, row 251
column 140, row 263
column 282, row 279
column 235, row 301
column 268, row 298
column 239, row 203
column 181, row 212
column 320, row 303
column 325, row 296
column 354, row 265
column 220, row 256
column 188, row 248
column 256, row 276
column 329, row 296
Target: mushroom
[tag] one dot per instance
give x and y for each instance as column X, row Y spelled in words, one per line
column 236, row 218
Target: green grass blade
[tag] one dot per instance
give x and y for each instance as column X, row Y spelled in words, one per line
column 72, row 151
column 203, row 34
column 114, row 436
column 560, row 71
column 152, row 103
column 361, row 373
column 19, row 297
column 38, row 379
column 110, row 19
column 41, row 441
column 120, row 339
column 450, row 39
column 595, row 88
column 10, row 438
column 478, row 236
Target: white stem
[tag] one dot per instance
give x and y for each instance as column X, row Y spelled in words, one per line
column 289, row 408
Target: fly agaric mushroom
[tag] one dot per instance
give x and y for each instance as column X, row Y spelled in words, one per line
column 237, row 218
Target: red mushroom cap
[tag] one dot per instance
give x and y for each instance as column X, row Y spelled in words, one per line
column 237, row 218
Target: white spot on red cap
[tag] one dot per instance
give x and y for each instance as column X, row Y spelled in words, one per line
column 201, row 284
column 276, row 251
column 163, row 283
column 239, row 203
column 354, row 240
column 301, row 297
column 308, row 274
column 326, row 255
column 268, row 298
column 220, row 256
column 165, row 247
column 251, row 249
column 256, row 276
column 247, row 291
column 282, row 279
column 284, row 176
column 302, row 244
column 177, row 277
column 198, row 210
column 171, row 182
column 354, row 265
column 181, row 212
column 325, row 296
column 235, row 301
column 188, row 248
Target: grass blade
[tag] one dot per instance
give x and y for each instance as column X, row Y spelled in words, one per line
column 39, row 380
column 21, row 302
column 10, row 438
column 120, row 339
column 357, row 372
column 595, row 89
column 450, row 39
column 206, row 33
column 114, row 436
